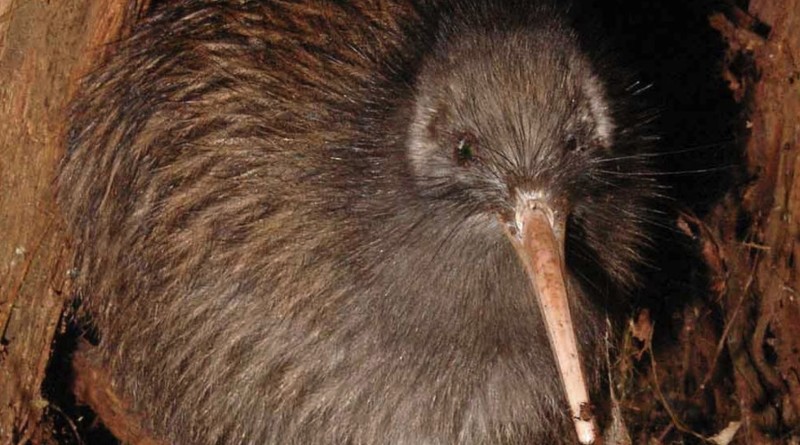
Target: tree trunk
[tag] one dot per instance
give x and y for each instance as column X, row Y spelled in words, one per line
column 757, row 227
column 45, row 47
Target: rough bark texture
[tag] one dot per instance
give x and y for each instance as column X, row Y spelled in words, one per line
column 45, row 47
column 732, row 374
column 757, row 227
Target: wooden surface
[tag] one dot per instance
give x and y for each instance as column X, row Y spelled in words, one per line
column 45, row 46
column 762, row 259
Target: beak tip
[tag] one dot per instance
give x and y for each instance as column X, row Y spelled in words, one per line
column 586, row 431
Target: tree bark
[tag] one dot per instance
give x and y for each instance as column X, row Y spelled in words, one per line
column 758, row 227
column 45, row 47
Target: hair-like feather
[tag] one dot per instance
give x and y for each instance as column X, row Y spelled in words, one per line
column 276, row 245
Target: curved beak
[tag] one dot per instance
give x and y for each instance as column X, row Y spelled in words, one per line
column 539, row 242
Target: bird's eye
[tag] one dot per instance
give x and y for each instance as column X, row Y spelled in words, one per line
column 571, row 144
column 465, row 150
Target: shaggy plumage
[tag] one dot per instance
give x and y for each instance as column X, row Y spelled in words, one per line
column 281, row 239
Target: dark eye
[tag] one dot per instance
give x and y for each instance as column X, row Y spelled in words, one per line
column 465, row 150
column 571, row 144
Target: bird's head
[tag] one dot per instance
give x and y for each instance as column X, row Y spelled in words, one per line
column 515, row 130
column 506, row 120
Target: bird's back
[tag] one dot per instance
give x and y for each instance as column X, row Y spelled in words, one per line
column 233, row 179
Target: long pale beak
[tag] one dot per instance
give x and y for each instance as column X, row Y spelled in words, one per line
column 539, row 242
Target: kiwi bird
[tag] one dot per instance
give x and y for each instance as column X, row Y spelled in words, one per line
column 367, row 222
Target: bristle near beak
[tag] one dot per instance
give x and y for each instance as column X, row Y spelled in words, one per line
column 538, row 239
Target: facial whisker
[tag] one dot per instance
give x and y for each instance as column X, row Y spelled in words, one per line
column 672, row 173
column 649, row 155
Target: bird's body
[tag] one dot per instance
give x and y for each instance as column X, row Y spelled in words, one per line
column 291, row 219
